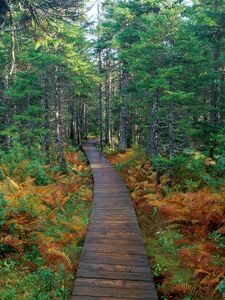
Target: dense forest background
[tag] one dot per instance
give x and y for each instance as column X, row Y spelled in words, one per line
column 159, row 69
column 147, row 75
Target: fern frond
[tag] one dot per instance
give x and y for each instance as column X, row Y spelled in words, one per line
column 184, row 289
column 12, row 241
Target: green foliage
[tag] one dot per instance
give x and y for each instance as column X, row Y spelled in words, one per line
column 36, row 170
column 43, row 284
column 109, row 151
column 221, row 286
column 2, row 175
column 218, row 238
column 189, row 170
column 46, row 284
column 168, row 240
column 16, row 154
column 3, row 205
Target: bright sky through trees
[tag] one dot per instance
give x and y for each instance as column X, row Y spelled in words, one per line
column 92, row 12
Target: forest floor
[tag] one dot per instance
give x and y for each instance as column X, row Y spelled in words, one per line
column 183, row 230
column 43, row 219
column 44, row 216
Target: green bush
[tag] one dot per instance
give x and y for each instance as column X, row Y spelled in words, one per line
column 2, row 175
column 47, row 284
column 188, row 170
column 14, row 156
column 221, row 286
column 36, row 170
column 168, row 240
column 3, row 205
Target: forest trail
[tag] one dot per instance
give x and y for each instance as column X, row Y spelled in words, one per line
column 113, row 262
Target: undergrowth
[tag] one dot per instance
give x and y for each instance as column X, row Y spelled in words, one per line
column 183, row 225
column 43, row 220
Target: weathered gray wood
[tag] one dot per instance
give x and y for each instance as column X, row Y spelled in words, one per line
column 113, row 263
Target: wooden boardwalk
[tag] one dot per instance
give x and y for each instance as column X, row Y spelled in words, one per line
column 113, row 262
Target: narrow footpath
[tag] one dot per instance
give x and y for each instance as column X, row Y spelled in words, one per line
column 113, row 262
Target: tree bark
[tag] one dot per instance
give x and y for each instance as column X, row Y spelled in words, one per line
column 100, row 104
column 171, row 140
column 214, row 88
column 58, row 125
column 46, row 107
column 13, row 38
column 107, row 100
column 85, row 119
column 123, row 129
column 154, row 139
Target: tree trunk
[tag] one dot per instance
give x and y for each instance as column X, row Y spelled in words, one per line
column 46, row 107
column 123, row 129
column 154, row 139
column 7, row 119
column 107, row 101
column 13, row 38
column 77, row 122
column 171, row 140
column 58, row 126
column 72, row 133
column 85, row 119
column 214, row 88
column 100, row 104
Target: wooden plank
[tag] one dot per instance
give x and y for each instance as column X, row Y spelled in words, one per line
column 107, row 230
column 113, row 275
column 114, row 268
column 113, row 222
column 105, row 298
column 114, row 248
column 112, row 292
column 114, row 259
column 112, row 209
column 124, row 284
column 112, row 213
column 111, row 226
column 114, row 218
column 113, row 235
column 99, row 240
